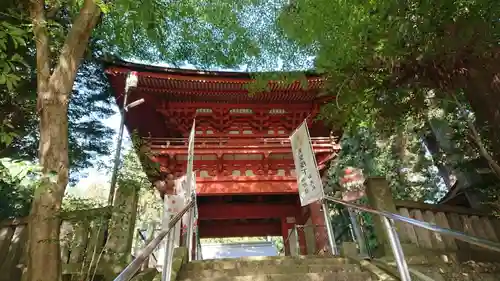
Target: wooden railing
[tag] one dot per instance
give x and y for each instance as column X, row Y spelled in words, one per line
column 470, row 221
column 81, row 239
column 204, row 141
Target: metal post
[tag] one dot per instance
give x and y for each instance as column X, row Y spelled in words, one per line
column 195, row 245
column 397, row 250
column 189, row 234
column 345, row 219
column 116, row 162
column 295, row 241
column 199, row 254
column 167, row 259
column 329, row 229
column 357, row 233
column 198, row 246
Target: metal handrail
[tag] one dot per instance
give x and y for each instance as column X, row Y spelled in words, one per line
column 388, row 219
column 144, row 239
column 484, row 243
column 135, row 265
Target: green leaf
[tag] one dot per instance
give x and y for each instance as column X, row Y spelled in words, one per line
column 10, row 85
column 16, row 57
column 3, row 45
column 13, row 30
column 20, row 40
column 6, row 138
column 105, row 7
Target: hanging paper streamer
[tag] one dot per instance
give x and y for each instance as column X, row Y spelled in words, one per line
column 352, row 184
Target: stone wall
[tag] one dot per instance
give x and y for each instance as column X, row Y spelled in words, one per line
column 82, row 235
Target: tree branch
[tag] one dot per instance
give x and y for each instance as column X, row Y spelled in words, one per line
column 74, row 47
column 482, row 149
column 474, row 134
column 37, row 14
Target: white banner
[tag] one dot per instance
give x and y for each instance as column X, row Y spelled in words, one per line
column 190, row 157
column 173, row 204
column 193, row 190
column 308, row 178
column 187, row 189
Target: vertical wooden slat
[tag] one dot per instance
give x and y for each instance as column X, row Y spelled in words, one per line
column 406, row 230
column 467, row 225
column 423, row 235
column 9, row 269
column 78, row 246
column 65, row 237
column 488, row 229
column 436, row 238
column 442, row 221
column 495, row 223
column 96, row 242
column 457, row 224
column 6, row 234
column 79, row 242
column 469, row 229
column 478, row 227
column 94, row 246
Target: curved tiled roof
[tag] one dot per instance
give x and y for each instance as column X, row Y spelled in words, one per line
column 215, row 86
column 177, row 89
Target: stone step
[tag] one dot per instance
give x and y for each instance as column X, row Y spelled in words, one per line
column 337, row 276
column 422, row 260
column 260, row 262
column 186, row 274
column 147, row 275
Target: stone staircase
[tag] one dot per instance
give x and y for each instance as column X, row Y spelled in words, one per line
column 303, row 268
column 315, row 268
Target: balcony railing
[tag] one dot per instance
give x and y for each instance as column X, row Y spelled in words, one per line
column 163, row 143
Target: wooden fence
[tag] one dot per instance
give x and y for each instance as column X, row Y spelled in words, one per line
column 81, row 239
column 472, row 222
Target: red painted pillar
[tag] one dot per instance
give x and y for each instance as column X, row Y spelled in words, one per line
column 301, row 220
column 302, row 241
column 320, row 232
column 284, row 233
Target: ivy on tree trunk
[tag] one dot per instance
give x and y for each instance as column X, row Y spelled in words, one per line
column 53, row 90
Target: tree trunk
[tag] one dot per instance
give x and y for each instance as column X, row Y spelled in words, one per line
column 53, row 93
column 44, row 258
column 483, row 93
